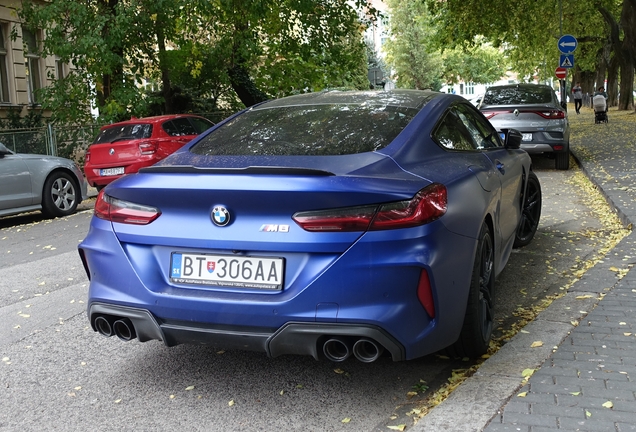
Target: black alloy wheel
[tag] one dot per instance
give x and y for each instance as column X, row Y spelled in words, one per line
column 474, row 339
column 530, row 212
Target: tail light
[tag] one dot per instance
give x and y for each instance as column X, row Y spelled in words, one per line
column 548, row 114
column 491, row 114
column 87, row 156
column 551, row 114
column 426, row 206
column 116, row 210
column 147, row 147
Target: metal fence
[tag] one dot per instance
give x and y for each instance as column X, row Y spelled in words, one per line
column 65, row 141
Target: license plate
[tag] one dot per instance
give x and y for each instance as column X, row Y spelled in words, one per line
column 526, row 137
column 111, row 171
column 227, row 270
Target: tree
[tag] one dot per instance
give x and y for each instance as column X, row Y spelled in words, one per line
column 529, row 29
column 414, row 59
column 479, row 64
column 261, row 49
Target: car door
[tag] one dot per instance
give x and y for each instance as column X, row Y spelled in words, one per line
column 507, row 166
column 179, row 131
column 15, row 182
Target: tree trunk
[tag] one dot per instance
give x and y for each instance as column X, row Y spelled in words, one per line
column 166, row 85
column 105, row 87
column 624, row 51
column 612, row 82
column 626, row 98
column 245, row 87
column 628, row 25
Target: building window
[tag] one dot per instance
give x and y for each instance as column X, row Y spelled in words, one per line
column 4, row 78
column 32, row 63
column 59, row 69
column 470, row 88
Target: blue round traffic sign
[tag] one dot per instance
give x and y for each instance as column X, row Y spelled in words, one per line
column 567, row 44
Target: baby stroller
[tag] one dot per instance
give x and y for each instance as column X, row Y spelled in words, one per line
column 600, row 109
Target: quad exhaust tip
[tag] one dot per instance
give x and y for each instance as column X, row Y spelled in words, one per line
column 108, row 326
column 339, row 349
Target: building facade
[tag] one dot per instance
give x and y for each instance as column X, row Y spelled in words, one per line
column 22, row 70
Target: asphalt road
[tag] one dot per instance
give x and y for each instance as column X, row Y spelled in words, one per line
column 57, row 374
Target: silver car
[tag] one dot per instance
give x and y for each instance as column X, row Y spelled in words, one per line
column 534, row 110
column 29, row 182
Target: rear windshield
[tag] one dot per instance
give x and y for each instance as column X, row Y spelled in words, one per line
column 126, row 132
column 308, row 130
column 518, row 95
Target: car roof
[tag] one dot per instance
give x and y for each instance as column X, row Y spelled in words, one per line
column 149, row 120
column 399, row 97
column 519, row 85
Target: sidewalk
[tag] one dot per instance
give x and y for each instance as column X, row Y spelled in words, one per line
column 585, row 373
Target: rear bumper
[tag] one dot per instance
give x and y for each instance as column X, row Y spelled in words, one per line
column 94, row 179
column 292, row 338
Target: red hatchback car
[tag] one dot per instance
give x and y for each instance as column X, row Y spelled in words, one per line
column 125, row 147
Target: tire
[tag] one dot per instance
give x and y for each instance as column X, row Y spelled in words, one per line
column 476, row 332
column 562, row 160
column 530, row 212
column 60, row 195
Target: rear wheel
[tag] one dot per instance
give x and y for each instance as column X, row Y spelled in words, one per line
column 562, row 160
column 60, row 195
column 530, row 212
column 474, row 338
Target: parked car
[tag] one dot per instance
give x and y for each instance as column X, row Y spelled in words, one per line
column 31, row 182
column 327, row 224
column 125, row 147
column 535, row 111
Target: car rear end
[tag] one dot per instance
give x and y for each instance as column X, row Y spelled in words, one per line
column 120, row 149
column 534, row 111
column 328, row 256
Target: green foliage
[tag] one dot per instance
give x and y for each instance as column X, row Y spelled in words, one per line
column 478, row 64
column 190, row 48
column 416, row 62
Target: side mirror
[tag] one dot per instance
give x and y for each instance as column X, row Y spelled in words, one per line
column 512, row 138
column 4, row 150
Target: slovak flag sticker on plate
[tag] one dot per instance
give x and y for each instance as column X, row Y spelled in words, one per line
column 211, row 266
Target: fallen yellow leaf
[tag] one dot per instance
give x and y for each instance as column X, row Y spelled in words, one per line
column 118, row 401
column 411, row 394
column 231, row 403
column 522, row 394
column 189, row 388
column 536, row 344
column 339, row 371
column 346, row 420
column 527, row 372
column 608, row 404
column 398, row 427
column 588, row 414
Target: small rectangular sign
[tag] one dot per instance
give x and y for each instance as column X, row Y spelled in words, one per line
column 566, row 61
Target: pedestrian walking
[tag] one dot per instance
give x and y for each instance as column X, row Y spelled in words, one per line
column 577, row 93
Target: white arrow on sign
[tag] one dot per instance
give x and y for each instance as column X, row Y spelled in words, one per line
column 568, row 44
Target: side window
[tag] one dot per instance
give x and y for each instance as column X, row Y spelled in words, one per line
column 482, row 134
column 452, row 134
column 201, row 125
column 179, row 127
column 170, row 128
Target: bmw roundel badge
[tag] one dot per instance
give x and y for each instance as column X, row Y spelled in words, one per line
column 220, row 216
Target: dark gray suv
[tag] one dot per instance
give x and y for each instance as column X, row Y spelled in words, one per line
column 534, row 110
